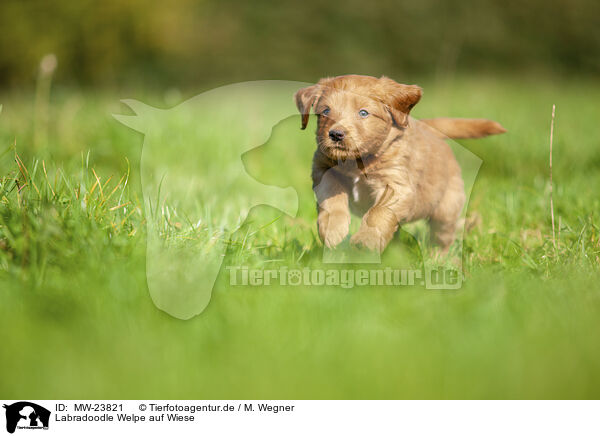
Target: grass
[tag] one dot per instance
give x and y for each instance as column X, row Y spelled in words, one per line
column 78, row 320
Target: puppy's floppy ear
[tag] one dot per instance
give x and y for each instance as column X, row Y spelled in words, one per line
column 400, row 99
column 305, row 99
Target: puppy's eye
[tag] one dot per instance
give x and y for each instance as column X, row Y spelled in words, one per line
column 363, row 113
column 325, row 111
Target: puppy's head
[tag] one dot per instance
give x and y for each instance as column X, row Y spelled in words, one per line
column 356, row 113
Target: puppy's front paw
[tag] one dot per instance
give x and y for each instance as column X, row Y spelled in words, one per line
column 333, row 227
column 369, row 238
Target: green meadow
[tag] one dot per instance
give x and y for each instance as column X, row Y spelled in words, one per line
column 77, row 319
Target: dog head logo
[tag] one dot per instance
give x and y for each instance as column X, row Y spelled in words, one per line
column 197, row 190
column 26, row 415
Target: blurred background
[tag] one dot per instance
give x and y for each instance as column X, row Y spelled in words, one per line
column 74, row 302
column 185, row 43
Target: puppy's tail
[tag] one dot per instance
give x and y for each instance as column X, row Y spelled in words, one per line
column 465, row 128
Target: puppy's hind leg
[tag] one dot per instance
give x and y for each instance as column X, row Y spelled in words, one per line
column 445, row 217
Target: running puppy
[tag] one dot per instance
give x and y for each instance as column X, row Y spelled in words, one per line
column 376, row 160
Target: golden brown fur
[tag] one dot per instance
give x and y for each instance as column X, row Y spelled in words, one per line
column 386, row 166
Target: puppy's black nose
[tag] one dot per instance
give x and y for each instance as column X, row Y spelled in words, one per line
column 336, row 135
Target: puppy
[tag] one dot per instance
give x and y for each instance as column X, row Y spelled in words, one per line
column 376, row 160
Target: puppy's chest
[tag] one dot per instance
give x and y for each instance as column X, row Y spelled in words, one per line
column 359, row 181
column 362, row 189
column 359, row 190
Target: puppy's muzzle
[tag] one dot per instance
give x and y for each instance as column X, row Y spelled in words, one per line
column 336, row 135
